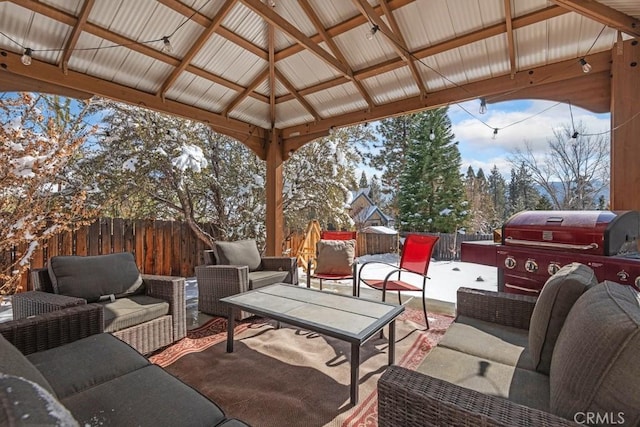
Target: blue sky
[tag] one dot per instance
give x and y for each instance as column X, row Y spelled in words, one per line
column 526, row 120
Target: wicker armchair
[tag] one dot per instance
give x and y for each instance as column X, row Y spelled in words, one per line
column 218, row 281
column 145, row 337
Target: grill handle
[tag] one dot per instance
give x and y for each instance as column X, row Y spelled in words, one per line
column 551, row 245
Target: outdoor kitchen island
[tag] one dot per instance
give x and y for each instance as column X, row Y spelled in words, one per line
column 347, row 318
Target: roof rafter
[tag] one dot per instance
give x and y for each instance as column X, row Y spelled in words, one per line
column 75, row 34
column 603, row 14
column 271, row 36
column 197, row 45
column 273, row 18
column 311, row 14
column 510, row 42
column 287, row 84
column 246, row 92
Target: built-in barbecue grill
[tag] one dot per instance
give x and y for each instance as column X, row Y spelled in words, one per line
column 536, row 244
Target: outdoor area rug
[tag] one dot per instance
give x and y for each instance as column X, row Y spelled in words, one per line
column 292, row 377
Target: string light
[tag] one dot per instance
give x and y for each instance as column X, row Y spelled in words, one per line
column 586, row 67
column 167, row 44
column 483, row 106
column 432, row 135
column 372, row 32
column 495, row 133
column 26, row 56
column 332, row 130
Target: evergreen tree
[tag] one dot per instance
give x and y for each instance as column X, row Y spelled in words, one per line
column 363, row 181
column 497, row 189
column 522, row 192
column 431, row 194
column 375, row 191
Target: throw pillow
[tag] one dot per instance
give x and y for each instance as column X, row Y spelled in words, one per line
column 25, row 403
column 335, row 257
column 242, row 252
column 557, row 297
column 595, row 367
column 92, row 277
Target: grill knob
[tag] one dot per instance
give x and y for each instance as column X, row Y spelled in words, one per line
column 510, row 262
column 531, row 266
column 623, row 275
column 638, row 282
column 553, row 268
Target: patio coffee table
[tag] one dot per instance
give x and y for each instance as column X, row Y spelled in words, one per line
column 347, row 318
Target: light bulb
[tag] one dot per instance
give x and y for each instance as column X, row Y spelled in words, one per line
column 332, row 130
column 483, row 106
column 372, row 32
column 272, row 3
column 432, row 135
column 26, row 56
column 495, row 133
column 167, row 44
column 586, row 67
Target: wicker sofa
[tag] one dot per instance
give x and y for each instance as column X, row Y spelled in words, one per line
column 59, row 368
column 234, row 267
column 146, row 311
column 569, row 358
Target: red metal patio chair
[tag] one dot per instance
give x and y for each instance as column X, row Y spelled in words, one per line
column 335, row 235
column 415, row 259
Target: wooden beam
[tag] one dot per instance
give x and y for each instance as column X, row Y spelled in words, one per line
column 511, row 45
column 296, row 95
column 10, row 82
column 274, row 185
column 75, row 33
column 604, row 14
column 271, row 40
column 273, row 18
column 197, row 45
column 295, row 136
column 246, row 92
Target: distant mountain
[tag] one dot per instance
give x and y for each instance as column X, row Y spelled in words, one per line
column 604, row 192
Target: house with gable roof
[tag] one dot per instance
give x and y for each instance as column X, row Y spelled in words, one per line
column 365, row 213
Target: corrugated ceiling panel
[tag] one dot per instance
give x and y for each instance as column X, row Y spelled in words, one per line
column 436, row 20
column 531, row 45
column 360, row 51
column 248, row 25
column 229, row 61
column 102, row 12
column 474, row 61
column 492, row 12
column 451, row 67
column 523, row 7
column 305, row 69
column 498, row 55
column 70, row 6
column 131, row 17
column 151, row 79
column 189, row 89
column 253, row 111
column 84, row 54
column 465, row 16
column 263, row 88
column 295, row 15
column 293, row 113
column 630, row 7
column 391, row 86
column 337, row 100
column 107, row 63
column 215, row 98
column 180, row 30
column 333, row 13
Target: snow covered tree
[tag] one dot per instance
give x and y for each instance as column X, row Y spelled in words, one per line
column 431, row 195
column 522, row 192
column 497, row 188
column 573, row 171
column 363, row 181
column 375, row 191
column 481, row 212
column 39, row 139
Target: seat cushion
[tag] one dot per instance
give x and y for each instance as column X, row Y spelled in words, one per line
column 25, row 403
column 557, row 297
column 242, row 252
column 85, row 363
column 153, row 398
column 522, row 386
column 335, row 257
column 92, row 277
column 130, row 311
column 13, row 362
column 490, row 341
column 258, row 279
column 595, row 362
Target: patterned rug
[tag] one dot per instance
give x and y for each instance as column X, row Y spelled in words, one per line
column 292, row 377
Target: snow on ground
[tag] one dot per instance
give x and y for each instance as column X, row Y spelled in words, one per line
column 446, row 278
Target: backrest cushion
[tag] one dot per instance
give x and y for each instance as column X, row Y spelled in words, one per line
column 557, row 297
column 12, row 362
column 595, row 366
column 26, row 403
column 241, row 252
column 335, row 257
column 91, row 277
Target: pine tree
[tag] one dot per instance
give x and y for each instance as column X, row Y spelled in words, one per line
column 522, row 192
column 363, row 181
column 375, row 191
column 431, row 194
column 497, row 189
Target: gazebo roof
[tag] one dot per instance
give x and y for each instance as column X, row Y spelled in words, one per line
column 305, row 66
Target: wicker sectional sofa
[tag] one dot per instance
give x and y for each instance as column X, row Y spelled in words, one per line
column 567, row 358
column 59, row 368
column 146, row 311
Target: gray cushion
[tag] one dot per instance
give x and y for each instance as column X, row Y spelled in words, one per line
column 522, row 386
column 242, row 252
column 25, row 403
column 258, row 279
column 595, row 363
column 152, row 394
column 488, row 340
column 91, row 277
column 335, row 257
column 15, row 363
column 85, row 363
column 557, row 297
column 130, row 311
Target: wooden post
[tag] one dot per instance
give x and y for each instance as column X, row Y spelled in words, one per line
column 275, row 214
column 625, row 126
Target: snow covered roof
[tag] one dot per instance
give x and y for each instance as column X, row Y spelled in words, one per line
column 379, row 229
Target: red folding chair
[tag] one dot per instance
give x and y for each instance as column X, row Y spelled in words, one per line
column 415, row 259
column 335, row 235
